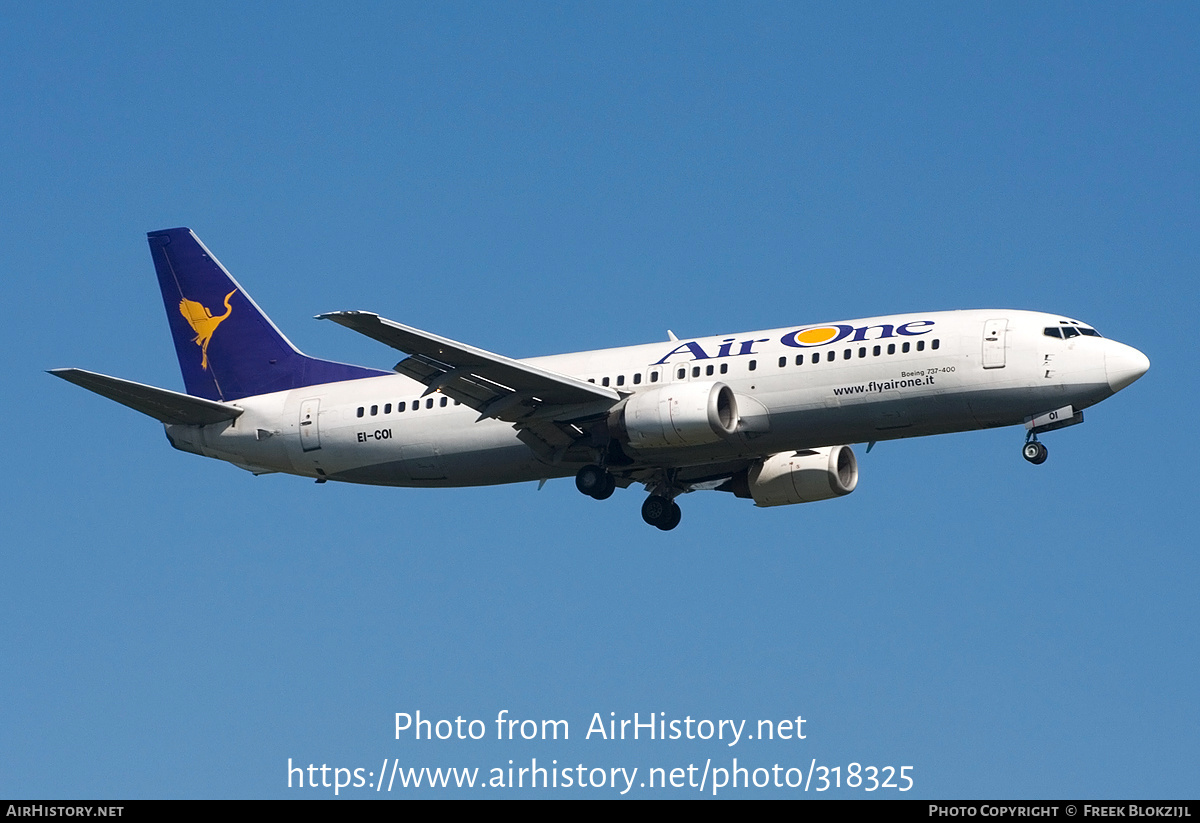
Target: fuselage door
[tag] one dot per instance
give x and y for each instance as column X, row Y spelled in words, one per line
column 310, row 430
column 689, row 370
column 994, row 333
column 679, row 371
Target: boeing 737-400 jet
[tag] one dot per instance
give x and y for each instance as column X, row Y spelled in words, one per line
column 764, row 414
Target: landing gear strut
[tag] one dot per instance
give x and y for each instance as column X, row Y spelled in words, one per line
column 1034, row 452
column 595, row 481
column 661, row 512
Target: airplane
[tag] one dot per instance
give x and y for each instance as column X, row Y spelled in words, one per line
column 764, row 415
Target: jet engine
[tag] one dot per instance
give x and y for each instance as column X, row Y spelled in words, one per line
column 682, row 414
column 798, row 477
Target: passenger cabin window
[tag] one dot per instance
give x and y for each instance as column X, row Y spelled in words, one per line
column 604, row 382
column 653, row 377
column 753, row 365
column 360, row 411
column 400, row 406
column 620, row 380
column 920, row 345
column 374, row 410
column 637, row 378
column 799, row 360
column 444, row 401
column 429, row 403
column 387, row 408
column 724, row 368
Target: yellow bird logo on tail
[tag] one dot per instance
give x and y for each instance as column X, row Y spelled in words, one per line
column 203, row 323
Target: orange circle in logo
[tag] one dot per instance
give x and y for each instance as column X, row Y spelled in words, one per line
column 814, row 337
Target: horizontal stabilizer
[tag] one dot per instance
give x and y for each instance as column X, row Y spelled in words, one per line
column 161, row 404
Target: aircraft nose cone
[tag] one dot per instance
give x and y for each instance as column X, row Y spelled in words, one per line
column 1123, row 365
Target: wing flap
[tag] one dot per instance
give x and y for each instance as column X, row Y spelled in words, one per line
column 161, row 404
column 550, row 441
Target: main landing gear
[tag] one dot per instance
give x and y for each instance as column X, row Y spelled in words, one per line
column 595, row 481
column 659, row 510
column 1034, row 451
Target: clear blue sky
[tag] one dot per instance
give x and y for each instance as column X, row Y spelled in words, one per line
column 543, row 178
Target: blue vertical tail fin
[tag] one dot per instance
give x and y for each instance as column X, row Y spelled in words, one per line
column 227, row 347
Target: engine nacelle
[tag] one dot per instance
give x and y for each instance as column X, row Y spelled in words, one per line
column 682, row 414
column 802, row 477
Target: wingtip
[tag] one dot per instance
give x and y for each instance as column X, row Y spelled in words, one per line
column 335, row 316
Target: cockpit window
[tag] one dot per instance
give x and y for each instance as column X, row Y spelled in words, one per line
column 1065, row 331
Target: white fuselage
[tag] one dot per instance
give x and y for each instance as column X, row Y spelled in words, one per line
column 796, row 388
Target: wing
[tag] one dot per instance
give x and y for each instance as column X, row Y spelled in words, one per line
column 544, row 406
column 161, row 404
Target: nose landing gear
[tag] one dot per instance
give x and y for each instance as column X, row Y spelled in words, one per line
column 1034, row 452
